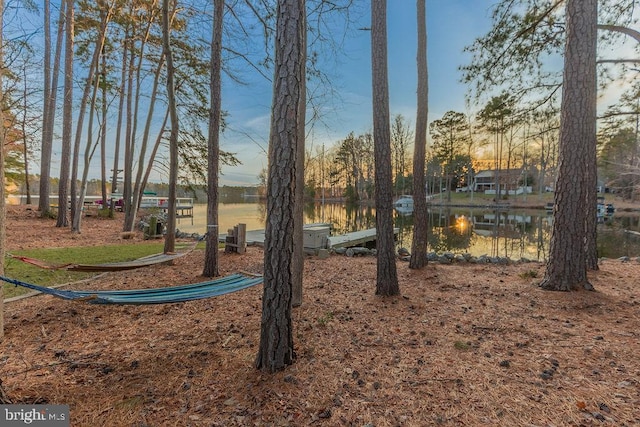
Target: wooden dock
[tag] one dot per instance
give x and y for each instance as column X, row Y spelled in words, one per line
column 184, row 205
column 355, row 238
column 348, row 240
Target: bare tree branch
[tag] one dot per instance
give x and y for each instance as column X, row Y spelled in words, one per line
column 620, row 29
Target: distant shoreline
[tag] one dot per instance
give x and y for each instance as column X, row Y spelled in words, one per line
column 534, row 201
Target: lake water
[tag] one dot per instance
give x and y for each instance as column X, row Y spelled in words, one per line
column 510, row 234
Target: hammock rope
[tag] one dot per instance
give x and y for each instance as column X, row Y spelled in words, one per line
column 166, row 295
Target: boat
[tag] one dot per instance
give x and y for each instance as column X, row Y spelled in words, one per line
column 604, row 211
column 404, row 210
column 404, row 201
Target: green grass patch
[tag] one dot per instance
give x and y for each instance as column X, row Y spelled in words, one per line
column 25, row 272
column 322, row 321
column 484, row 199
column 529, row 274
column 461, row 345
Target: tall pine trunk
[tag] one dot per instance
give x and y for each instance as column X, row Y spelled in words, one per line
column 89, row 150
column 127, row 188
column 67, row 118
column 170, row 237
column 420, row 216
column 46, row 144
column 49, row 106
column 103, row 134
column 25, row 143
column 387, row 276
column 591, row 203
column 298, row 222
column 276, row 349
column 121, row 111
column 138, row 187
column 77, row 197
column 131, row 202
column 213, row 152
column 567, row 268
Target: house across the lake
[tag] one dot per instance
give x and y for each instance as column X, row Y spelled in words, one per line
column 509, row 180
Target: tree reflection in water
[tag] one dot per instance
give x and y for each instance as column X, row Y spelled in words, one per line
column 513, row 234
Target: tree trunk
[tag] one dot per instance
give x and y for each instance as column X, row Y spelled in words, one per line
column 276, row 332
column 103, row 134
column 154, row 151
column 91, row 83
column 123, row 81
column 138, row 188
column 213, row 153
column 90, row 148
column 128, row 147
column 566, row 269
column 134, row 199
column 25, row 143
column 387, row 277
column 170, row 237
column 420, row 215
column 46, row 144
column 49, row 107
column 298, row 226
column 591, row 201
column 67, row 118
column 591, row 209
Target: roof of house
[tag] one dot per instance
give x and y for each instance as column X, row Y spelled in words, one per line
column 490, row 173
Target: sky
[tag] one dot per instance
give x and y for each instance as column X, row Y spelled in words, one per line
column 451, row 25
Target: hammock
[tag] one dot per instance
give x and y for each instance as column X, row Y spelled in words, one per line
column 172, row 294
column 113, row 266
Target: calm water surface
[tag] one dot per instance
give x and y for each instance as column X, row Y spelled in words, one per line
column 505, row 233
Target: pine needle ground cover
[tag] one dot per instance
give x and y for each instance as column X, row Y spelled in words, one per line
column 463, row 345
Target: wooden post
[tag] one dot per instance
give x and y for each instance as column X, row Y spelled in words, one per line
column 241, row 238
column 153, row 226
column 236, row 240
column 229, row 240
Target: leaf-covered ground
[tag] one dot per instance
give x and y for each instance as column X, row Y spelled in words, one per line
column 464, row 345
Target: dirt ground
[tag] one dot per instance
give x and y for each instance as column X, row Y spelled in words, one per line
column 463, row 345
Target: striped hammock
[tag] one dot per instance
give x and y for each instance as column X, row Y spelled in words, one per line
column 172, row 294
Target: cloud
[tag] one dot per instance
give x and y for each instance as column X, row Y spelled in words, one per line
column 259, row 124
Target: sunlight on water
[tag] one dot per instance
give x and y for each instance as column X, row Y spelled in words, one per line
column 459, row 230
column 229, row 214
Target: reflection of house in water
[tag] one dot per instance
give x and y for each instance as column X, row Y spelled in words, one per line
column 501, row 224
column 510, row 234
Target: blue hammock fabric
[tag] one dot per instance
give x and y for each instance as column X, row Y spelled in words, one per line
column 172, row 294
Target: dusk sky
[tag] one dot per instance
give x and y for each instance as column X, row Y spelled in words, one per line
column 451, row 25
